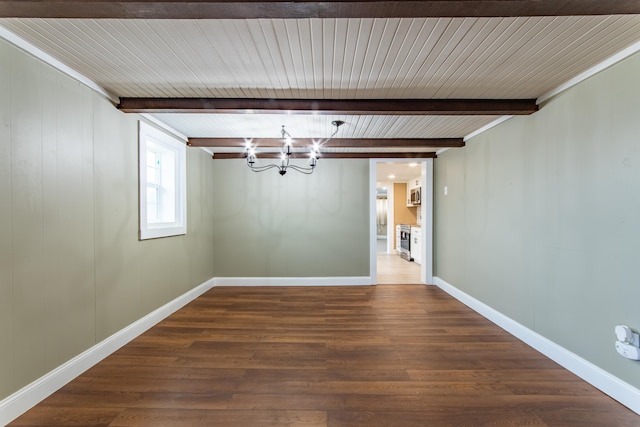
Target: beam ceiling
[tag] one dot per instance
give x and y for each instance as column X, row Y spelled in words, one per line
column 287, row 9
column 442, row 107
column 418, row 155
column 333, row 143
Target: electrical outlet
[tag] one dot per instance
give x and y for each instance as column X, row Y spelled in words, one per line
column 627, row 350
column 627, row 336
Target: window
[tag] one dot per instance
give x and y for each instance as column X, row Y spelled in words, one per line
column 163, row 170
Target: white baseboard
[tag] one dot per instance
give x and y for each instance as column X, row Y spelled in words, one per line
column 613, row 386
column 27, row 397
column 292, row 281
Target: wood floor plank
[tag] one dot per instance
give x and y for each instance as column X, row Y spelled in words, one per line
column 68, row 416
column 197, row 418
column 424, row 418
column 386, row 355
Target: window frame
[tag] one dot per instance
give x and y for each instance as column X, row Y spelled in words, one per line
column 153, row 230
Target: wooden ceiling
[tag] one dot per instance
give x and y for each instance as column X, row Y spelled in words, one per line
column 407, row 77
column 295, row 9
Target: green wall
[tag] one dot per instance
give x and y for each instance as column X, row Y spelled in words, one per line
column 72, row 271
column 295, row 225
column 542, row 217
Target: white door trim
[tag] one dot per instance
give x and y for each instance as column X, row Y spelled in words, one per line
column 426, row 269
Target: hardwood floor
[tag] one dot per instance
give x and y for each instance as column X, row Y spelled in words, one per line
column 387, row 355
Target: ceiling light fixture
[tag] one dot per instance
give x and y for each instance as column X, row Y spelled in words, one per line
column 285, row 154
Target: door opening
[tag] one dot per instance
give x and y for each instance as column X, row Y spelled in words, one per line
column 408, row 187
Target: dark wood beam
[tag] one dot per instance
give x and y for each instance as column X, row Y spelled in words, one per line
column 247, row 9
column 443, row 107
column 377, row 155
column 336, row 142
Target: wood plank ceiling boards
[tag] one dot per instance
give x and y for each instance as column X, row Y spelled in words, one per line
column 406, row 77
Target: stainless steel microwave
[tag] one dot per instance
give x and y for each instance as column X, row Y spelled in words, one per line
column 416, row 196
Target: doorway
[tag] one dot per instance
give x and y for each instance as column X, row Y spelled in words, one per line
column 392, row 180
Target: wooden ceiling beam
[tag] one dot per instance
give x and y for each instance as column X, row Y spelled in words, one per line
column 368, row 155
column 334, row 143
column 292, row 9
column 442, row 107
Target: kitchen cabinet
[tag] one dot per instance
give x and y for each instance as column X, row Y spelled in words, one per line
column 416, row 244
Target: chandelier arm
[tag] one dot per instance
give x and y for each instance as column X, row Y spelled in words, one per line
column 263, row 168
column 307, row 171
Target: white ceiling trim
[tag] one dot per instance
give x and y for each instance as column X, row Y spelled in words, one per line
column 623, row 54
column 165, row 126
column 487, row 127
column 172, row 131
column 48, row 59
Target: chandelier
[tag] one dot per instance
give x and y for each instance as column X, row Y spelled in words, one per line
column 285, row 154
